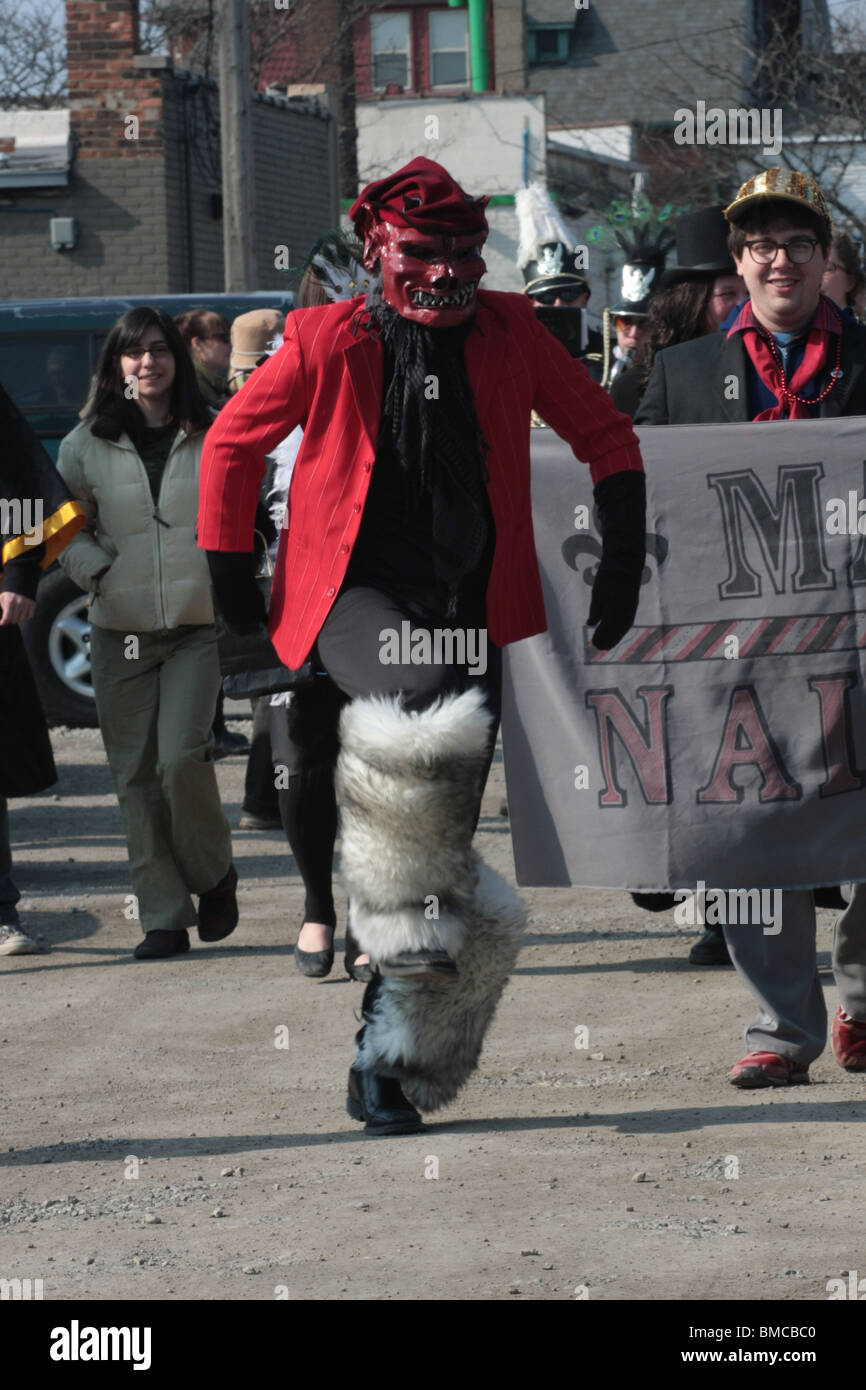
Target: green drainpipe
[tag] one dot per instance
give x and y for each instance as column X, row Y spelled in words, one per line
column 479, row 47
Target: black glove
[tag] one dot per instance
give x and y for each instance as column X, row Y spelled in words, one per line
column 621, row 503
column 237, row 594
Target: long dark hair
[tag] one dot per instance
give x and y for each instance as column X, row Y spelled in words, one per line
column 845, row 250
column 107, row 410
column 676, row 315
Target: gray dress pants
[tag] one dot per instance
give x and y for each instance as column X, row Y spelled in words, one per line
column 782, row 973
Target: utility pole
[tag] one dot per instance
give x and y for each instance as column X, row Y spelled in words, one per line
column 236, row 143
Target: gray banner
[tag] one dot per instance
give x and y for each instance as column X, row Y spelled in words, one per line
column 724, row 739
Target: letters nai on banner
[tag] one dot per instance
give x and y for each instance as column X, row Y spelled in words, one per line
column 724, row 739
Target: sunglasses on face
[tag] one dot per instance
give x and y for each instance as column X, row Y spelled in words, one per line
column 568, row 294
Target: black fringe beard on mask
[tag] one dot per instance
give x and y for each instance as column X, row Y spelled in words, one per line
column 437, row 442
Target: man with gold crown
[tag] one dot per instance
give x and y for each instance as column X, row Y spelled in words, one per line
column 407, row 564
column 795, row 357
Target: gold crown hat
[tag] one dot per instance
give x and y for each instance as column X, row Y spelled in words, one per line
column 785, row 184
column 252, row 334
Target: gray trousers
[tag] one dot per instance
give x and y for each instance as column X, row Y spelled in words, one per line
column 782, row 973
column 155, row 700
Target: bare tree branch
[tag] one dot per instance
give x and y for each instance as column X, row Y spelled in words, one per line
column 815, row 76
column 32, row 56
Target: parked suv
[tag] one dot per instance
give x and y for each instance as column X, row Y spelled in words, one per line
column 48, row 352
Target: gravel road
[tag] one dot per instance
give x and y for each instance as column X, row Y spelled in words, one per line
column 158, row 1142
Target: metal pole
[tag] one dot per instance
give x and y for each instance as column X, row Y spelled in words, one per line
column 479, row 45
column 236, row 144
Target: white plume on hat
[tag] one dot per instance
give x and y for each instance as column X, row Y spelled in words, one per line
column 342, row 281
column 539, row 221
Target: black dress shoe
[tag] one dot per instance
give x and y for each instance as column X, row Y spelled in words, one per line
column 157, row 944
column 711, row 949
column 218, row 909
column 362, row 973
column 379, row 1102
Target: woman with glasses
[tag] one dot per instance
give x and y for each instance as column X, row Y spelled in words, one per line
column 844, row 280
column 208, row 337
column 133, row 464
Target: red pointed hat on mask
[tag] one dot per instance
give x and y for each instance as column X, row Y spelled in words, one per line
column 422, row 195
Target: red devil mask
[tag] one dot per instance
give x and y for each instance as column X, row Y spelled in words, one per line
column 426, row 234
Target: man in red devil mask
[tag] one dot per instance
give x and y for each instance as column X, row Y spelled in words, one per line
column 406, row 565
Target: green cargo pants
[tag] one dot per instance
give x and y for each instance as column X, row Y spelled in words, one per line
column 155, row 696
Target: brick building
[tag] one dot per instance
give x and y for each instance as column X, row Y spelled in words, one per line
column 137, row 169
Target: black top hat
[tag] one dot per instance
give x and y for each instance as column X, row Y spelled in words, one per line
column 552, row 269
column 702, row 247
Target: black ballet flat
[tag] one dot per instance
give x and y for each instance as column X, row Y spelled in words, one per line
column 315, row 964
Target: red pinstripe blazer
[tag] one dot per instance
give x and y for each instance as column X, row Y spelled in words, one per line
column 330, row 381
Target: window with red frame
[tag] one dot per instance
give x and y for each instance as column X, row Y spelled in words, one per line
column 449, row 48
column 391, row 50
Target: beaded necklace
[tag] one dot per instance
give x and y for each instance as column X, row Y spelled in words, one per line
column 789, row 395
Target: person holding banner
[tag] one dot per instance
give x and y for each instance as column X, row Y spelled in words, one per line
column 409, row 520
column 788, row 355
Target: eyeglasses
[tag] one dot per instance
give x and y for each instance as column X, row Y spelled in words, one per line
column 799, row 250
column 832, row 266
column 158, row 350
column 219, row 337
column 567, row 293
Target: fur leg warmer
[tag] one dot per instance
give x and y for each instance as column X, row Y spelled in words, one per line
column 428, row 1035
column 408, row 788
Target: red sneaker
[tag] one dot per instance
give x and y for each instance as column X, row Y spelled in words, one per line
column 849, row 1041
column 768, row 1069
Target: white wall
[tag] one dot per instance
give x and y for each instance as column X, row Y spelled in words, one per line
column 480, row 141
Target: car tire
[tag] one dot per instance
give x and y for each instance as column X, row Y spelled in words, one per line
column 57, row 639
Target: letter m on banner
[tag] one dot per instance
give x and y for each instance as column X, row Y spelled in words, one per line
column 797, row 513
column 645, row 743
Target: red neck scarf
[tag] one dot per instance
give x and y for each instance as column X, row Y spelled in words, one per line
column 826, row 321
